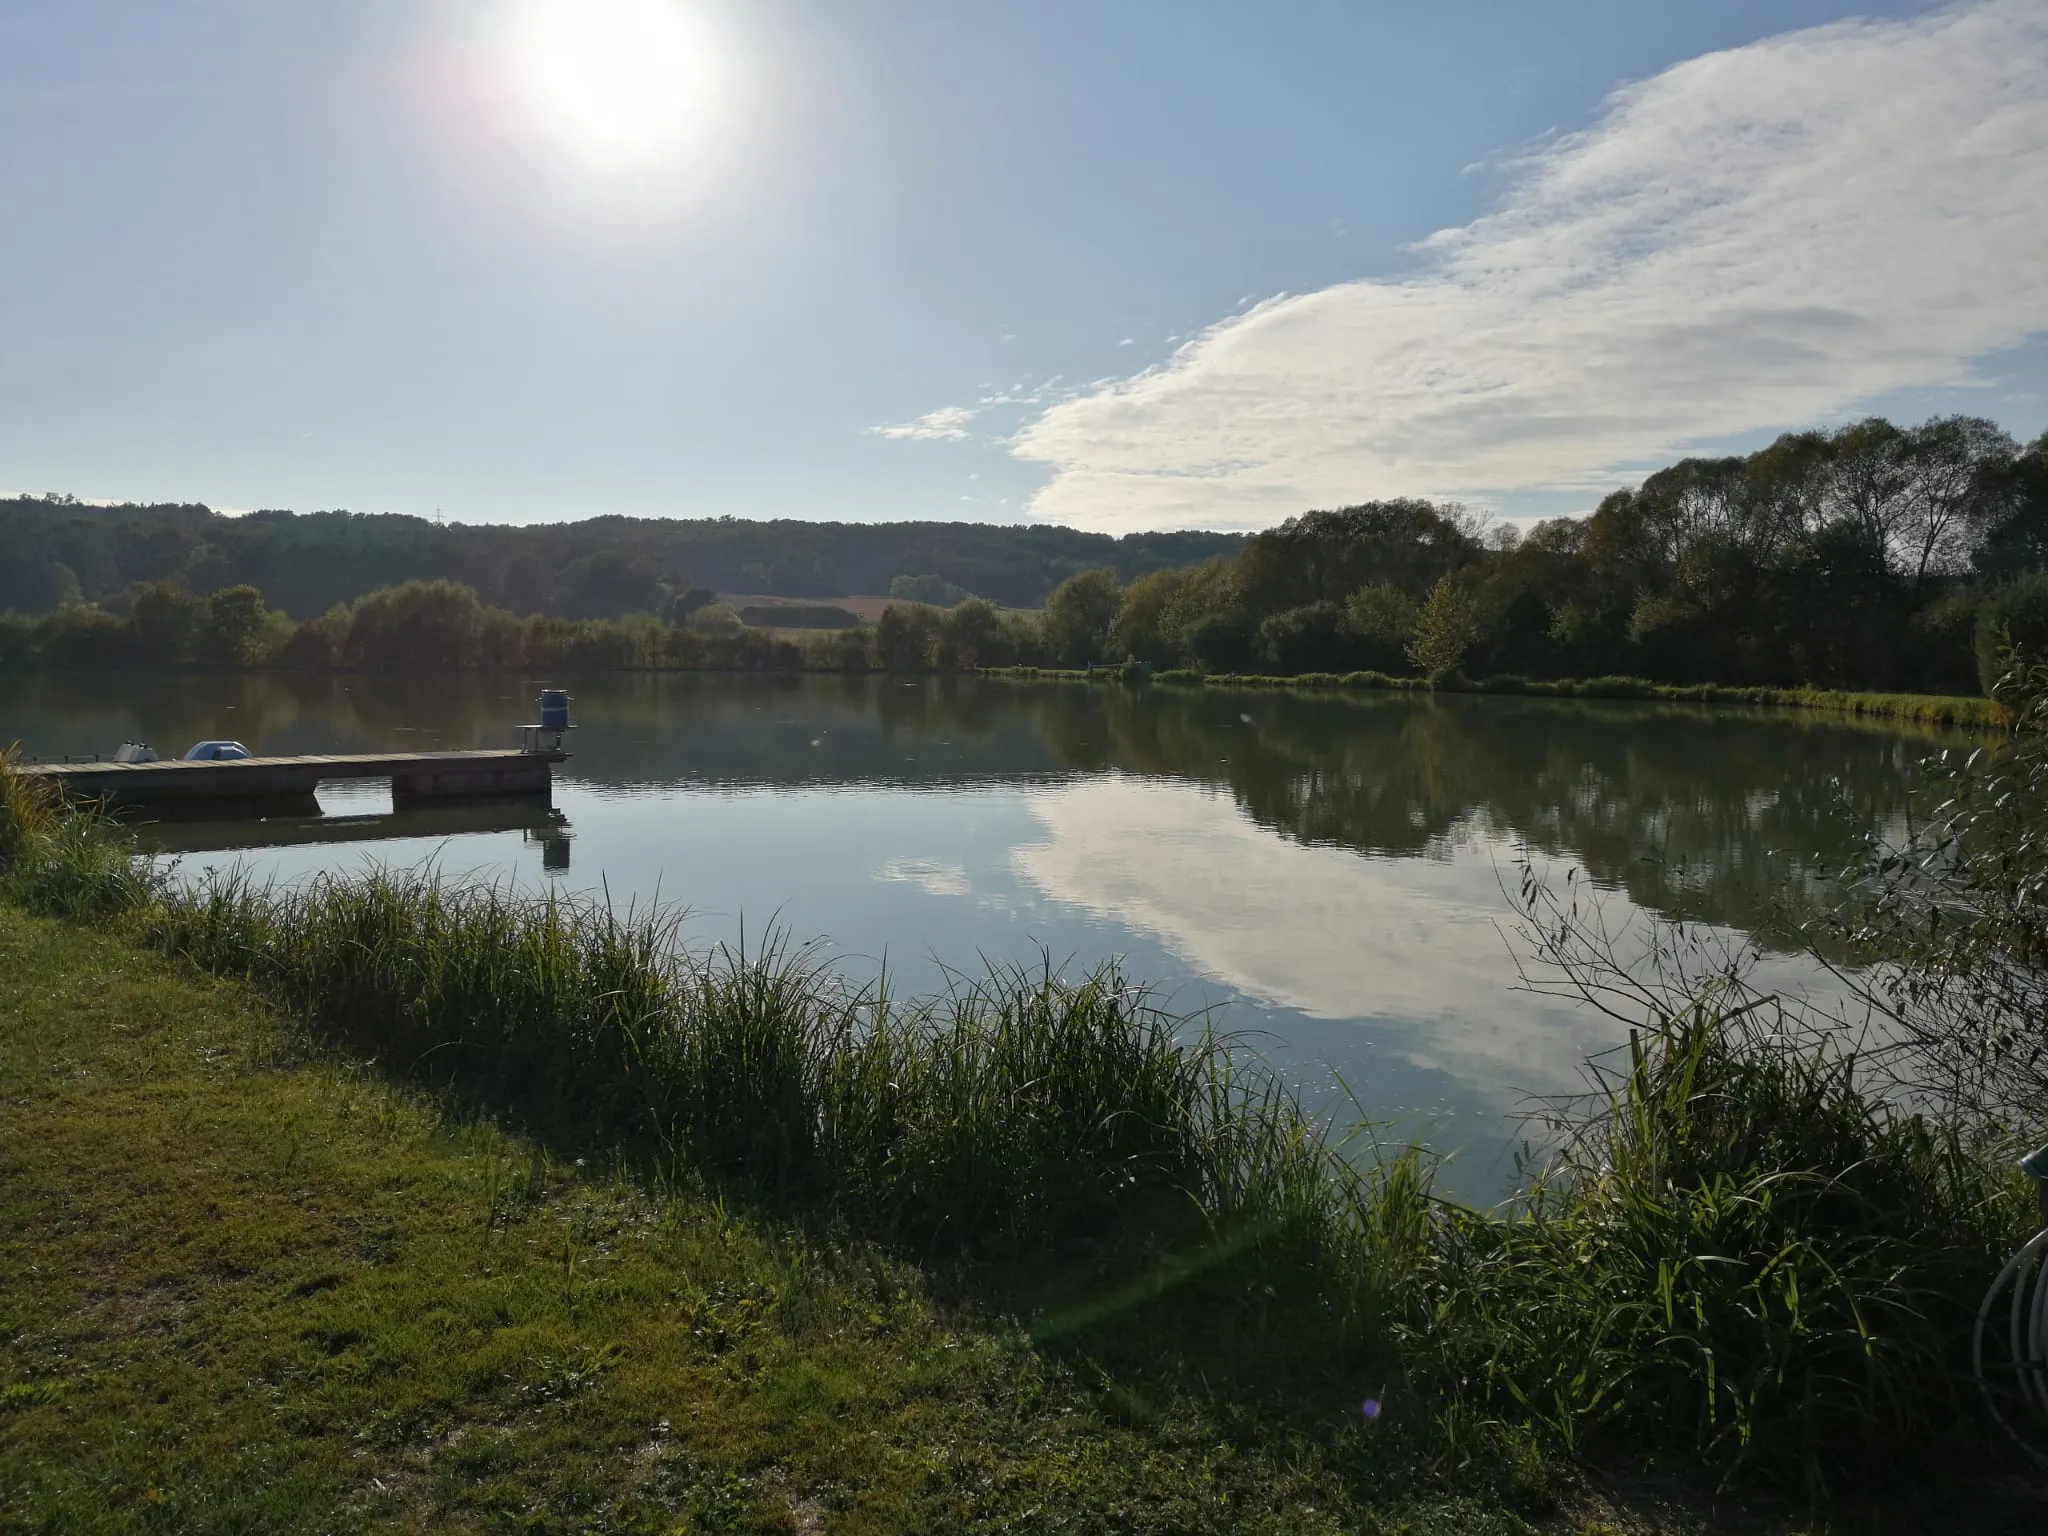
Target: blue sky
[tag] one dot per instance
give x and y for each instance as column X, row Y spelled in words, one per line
column 904, row 258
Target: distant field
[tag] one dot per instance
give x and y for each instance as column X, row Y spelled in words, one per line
column 868, row 609
column 825, row 616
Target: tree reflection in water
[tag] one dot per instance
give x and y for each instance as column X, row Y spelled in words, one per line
column 1706, row 814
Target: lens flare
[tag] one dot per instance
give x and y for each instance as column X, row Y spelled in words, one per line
column 622, row 77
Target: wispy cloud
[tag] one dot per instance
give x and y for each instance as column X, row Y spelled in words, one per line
column 1408, row 943
column 935, row 877
column 1410, row 946
column 1755, row 238
column 948, row 423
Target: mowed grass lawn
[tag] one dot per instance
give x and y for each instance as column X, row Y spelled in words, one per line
column 245, row 1286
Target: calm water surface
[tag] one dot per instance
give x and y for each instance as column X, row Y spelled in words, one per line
column 1326, row 873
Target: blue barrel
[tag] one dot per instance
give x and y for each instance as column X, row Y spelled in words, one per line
column 554, row 709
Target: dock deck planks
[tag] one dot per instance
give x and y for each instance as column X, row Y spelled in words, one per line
column 414, row 776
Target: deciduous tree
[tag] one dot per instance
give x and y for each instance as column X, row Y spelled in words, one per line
column 1445, row 628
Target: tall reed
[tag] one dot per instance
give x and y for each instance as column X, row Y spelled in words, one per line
column 1018, row 1105
column 1737, row 1250
column 28, row 811
column 64, row 861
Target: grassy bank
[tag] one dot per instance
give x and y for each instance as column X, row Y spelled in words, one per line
column 246, row 1285
column 1947, row 710
column 1742, row 1270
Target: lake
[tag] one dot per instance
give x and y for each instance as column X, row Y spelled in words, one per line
column 1323, row 872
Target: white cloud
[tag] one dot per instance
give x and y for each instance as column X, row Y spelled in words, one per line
column 1409, row 944
column 1752, row 239
column 1412, row 946
column 935, row 877
column 948, row 424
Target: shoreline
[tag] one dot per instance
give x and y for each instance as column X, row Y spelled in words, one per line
column 1959, row 711
column 1963, row 711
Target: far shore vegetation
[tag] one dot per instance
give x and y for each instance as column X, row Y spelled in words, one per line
column 386, row 1199
column 1954, row 711
column 1872, row 569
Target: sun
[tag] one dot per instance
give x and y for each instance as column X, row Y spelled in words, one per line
column 624, row 78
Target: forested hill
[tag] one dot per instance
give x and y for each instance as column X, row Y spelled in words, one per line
column 55, row 550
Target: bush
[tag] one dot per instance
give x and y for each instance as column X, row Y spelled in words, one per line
column 1222, row 642
column 1306, row 639
column 1954, row 919
column 1370, row 679
column 1739, row 1248
column 799, row 616
column 717, row 621
column 2015, row 614
column 1382, row 619
column 933, row 590
column 1743, row 1254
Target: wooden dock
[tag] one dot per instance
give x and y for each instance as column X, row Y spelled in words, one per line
column 218, row 832
column 289, row 782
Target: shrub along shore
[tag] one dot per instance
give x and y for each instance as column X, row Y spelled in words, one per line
column 1950, row 710
column 1741, row 1265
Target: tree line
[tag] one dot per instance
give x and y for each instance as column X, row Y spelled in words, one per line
column 1872, row 557
column 443, row 626
column 56, row 552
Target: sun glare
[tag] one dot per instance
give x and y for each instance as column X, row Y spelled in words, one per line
column 624, row 77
